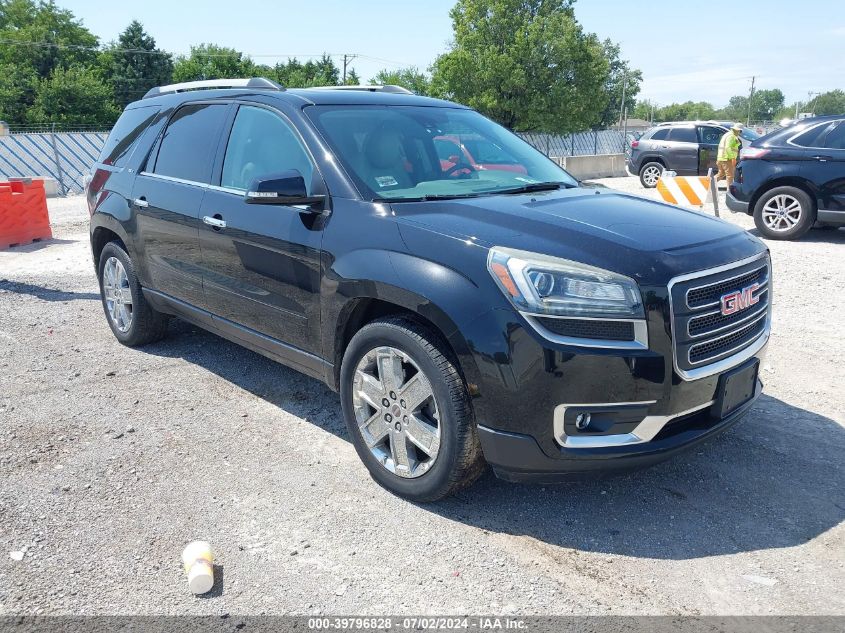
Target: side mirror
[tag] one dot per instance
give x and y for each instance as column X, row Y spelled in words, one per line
column 284, row 188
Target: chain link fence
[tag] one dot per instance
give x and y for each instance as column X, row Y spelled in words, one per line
column 64, row 156
column 591, row 142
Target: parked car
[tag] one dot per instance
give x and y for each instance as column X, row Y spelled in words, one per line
column 688, row 148
column 793, row 178
column 513, row 319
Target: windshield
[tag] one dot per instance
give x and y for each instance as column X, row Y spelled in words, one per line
column 416, row 153
column 749, row 135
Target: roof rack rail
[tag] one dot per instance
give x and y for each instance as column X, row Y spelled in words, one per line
column 256, row 83
column 385, row 88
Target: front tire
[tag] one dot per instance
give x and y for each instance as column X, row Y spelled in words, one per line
column 133, row 321
column 650, row 173
column 784, row 213
column 408, row 411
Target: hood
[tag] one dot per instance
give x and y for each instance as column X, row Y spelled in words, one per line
column 616, row 231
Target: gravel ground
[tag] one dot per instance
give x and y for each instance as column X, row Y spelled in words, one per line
column 112, row 459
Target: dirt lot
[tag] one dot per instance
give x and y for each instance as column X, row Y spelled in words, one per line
column 112, row 459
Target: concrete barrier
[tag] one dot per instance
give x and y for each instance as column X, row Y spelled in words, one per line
column 598, row 166
column 51, row 186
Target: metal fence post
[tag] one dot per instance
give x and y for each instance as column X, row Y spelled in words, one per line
column 572, row 144
column 59, row 171
column 548, row 152
column 595, row 142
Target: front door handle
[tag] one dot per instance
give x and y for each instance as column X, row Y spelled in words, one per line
column 216, row 222
column 141, row 202
column 821, row 159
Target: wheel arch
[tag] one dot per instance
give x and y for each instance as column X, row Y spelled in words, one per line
column 399, row 284
column 656, row 158
column 105, row 229
column 786, row 181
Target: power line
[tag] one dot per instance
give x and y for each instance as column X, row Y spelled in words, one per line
column 193, row 52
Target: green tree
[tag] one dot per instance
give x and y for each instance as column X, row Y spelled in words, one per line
column 209, row 61
column 687, row 111
column 620, row 78
column 352, row 78
column 736, row 110
column 63, row 41
column 74, row 95
column 133, row 64
column 832, row 102
column 323, row 72
column 525, row 63
column 765, row 104
column 17, row 91
column 411, row 78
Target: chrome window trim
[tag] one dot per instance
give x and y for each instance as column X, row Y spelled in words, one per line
column 731, row 361
column 724, row 327
column 640, row 341
column 181, row 181
column 807, row 129
column 645, row 431
column 707, row 305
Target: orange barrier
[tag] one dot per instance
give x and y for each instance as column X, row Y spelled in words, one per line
column 23, row 213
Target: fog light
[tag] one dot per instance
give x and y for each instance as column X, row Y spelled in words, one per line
column 582, row 421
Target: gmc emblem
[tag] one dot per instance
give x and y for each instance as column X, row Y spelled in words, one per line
column 739, row 300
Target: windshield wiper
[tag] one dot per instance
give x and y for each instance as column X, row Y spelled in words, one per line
column 535, row 186
column 432, row 196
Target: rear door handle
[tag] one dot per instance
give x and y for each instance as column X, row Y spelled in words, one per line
column 822, row 159
column 216, row 222
column 141, row 203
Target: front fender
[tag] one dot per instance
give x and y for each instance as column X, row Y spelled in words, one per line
column 443, row 296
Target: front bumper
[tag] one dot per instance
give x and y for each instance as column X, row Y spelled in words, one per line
column 519, row 458
column 737, row 206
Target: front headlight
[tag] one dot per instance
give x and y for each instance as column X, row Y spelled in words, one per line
column 541, row 284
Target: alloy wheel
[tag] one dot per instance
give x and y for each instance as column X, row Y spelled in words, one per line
column 782, row 213
column 396, row 412
column 651, row 175
column 117, row 294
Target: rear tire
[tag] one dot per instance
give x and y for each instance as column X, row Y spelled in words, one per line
column 422, row 444
column 131, row 318
column 650, row 173
column 784, row 213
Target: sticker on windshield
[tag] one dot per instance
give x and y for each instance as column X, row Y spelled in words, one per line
column 386, row 181
column 530, row 181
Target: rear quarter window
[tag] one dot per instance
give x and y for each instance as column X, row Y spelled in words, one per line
column 187, row 148
column 683, row 135
column 811, row 137
column 124, row 135
column 659, row 135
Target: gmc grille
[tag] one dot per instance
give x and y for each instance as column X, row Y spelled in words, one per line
column 702, row 335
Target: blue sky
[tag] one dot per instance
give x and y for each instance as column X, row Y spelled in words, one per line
column 686, row 51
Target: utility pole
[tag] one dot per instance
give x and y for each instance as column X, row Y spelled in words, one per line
column 750, row 98
column 346, row 61
column 622, row 108
column 652, row 112
column 810, row 94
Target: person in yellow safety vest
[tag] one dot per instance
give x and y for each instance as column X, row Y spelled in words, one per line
column 729, row 147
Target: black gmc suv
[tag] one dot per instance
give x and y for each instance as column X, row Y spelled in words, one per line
column 466, row 313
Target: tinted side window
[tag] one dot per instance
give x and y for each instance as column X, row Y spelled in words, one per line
column 812, row 137
column 660, row 135
column 121, row 141
column 711, row 135
column 836, row 137
column 683, row 135
column 262, row 144
column 189, row 142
